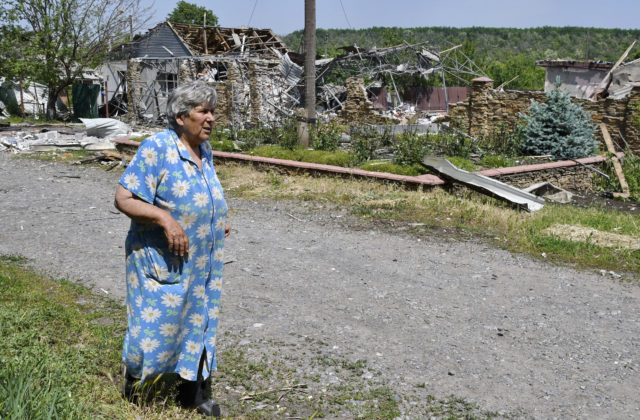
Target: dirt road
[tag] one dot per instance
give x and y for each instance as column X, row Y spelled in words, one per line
column 430, row 316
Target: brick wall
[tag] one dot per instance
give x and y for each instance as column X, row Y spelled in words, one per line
column 486, row 108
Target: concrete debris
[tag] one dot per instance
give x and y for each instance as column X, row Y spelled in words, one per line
column 550, row 192
column 105, row 127
column 33, row 140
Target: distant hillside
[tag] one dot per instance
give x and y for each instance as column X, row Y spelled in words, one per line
column 544, row 43
column 501, row 52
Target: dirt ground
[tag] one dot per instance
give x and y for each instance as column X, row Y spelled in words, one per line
column 429, row 315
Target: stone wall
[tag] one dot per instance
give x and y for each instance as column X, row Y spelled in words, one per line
column 487, row 108
column 574, row 178
column 358, row 108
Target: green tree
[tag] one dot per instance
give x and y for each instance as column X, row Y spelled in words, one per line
column 191, row 14
column 558, row 128
column 53, row 41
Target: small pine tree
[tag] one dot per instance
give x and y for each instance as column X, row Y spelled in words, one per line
column 558, row 128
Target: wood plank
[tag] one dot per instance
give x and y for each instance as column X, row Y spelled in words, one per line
column 616, row 163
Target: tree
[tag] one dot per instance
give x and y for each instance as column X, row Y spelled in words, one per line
column 191, row 14
column 559, row 128
column 53, row 41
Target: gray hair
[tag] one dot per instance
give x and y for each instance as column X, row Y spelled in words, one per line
column 188, row 96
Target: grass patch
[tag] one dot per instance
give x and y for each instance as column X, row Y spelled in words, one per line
column 60, row 352
column 13, row 119
column 336, row 158
column 392, row 168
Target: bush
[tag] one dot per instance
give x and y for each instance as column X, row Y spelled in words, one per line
column 410, row 148
column 558, row 128
column 364, row 142
column 326, row 137
column 287, row 135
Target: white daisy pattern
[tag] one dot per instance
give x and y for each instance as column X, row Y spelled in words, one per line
column 193, row 347
column 189, row 169
column 149, row 344
column 150, row 314
column 172, row 156
column 187, row 220
column 135, row 331
column 131, row 182
column 187, row 374
column 202, row 261
column 173, row 302
column 180, row 188
column 200, row 199
column 196, row 320
column 163, row 357
column 168, row 330
column 199, row 291
column 215, row 283
column 150, row 181
column 214, row 312
column 150, row 156
column 203, row 231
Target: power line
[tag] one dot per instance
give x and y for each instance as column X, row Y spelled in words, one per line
column 345, row 15
column 252, row 10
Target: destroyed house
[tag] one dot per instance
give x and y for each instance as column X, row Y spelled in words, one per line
column 582, row 79
column 143, row 72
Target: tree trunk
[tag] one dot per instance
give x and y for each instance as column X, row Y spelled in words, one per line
column 52, row 97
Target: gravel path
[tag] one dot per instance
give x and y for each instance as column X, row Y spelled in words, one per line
column 507, row 333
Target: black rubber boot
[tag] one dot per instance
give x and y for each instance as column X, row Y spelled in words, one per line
column 130, row 387
column 196, row 394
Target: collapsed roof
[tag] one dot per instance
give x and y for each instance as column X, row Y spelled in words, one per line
column 173, row 40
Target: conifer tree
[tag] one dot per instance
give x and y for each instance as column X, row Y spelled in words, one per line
column 558, row 128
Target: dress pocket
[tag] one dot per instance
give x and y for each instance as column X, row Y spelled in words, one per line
column 156, row 262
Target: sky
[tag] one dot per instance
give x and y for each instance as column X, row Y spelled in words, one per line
column 286, row 16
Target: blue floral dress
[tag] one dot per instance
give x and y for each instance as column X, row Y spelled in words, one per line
column 173, row 302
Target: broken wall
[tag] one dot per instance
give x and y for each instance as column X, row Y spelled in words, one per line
column 358, row 108
column 487, row 108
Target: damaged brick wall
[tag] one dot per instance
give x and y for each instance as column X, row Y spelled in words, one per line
column 487, row 108
column 134, row 88
column 358, row 108
column 574, row 178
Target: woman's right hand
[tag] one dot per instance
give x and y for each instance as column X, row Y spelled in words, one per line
column 176, row 236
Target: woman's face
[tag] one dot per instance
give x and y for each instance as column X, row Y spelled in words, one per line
column 198, row 124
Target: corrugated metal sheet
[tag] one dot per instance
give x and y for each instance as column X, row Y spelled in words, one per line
column 433, row 98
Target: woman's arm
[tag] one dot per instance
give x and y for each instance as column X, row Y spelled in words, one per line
column 143, row 212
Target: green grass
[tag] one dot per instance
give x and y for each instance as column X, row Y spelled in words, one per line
column 55, row 356
column 13, row 119
column 337, row 158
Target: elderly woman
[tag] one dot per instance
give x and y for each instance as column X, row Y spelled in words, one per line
column 174, row 251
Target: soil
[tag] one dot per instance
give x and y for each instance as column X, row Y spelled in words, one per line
column 422, row 316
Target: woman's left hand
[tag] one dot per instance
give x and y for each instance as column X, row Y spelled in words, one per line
column 227, row 230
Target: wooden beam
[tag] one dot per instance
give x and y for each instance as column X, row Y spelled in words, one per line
column 616, row 163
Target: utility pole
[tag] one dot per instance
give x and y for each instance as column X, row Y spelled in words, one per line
column 309, row 71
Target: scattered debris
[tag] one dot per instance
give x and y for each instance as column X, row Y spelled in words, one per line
column 485, row 185
column 550, row 192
